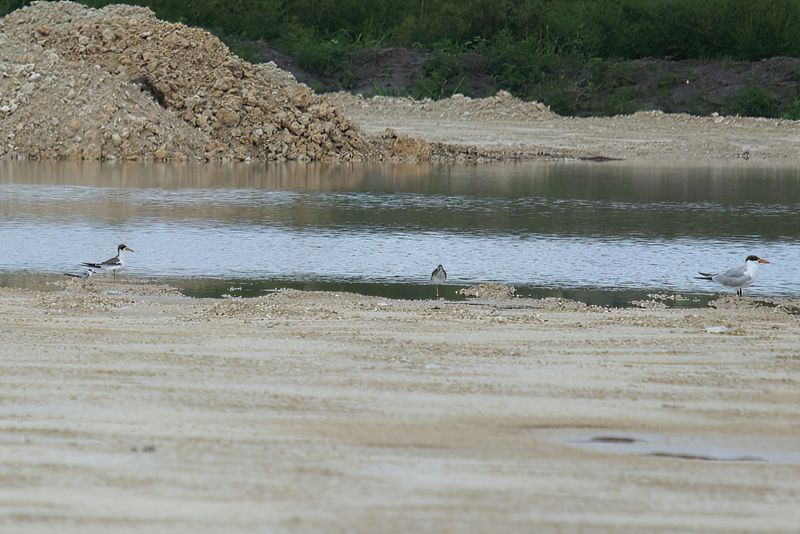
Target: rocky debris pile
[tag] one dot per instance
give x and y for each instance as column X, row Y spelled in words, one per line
column 52, row 109
column 501, row 107
column 401, row 148
column 118, row 83
column 274, row 72
column 450, row 152
column 489, row 291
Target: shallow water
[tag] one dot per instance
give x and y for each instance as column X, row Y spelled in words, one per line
column 544, row 227
column 730, row 447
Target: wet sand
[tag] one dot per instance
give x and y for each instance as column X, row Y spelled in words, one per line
column 127, row 407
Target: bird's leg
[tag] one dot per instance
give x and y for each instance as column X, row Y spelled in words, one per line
column 437, row 292
column 114, row 275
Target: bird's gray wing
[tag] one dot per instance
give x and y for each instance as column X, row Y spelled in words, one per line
column 735, row 276
column 735, row 272
column 110, row 262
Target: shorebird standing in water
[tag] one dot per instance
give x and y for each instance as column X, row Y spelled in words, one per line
column 117, row 263
column 438, row 277
column 736, row 277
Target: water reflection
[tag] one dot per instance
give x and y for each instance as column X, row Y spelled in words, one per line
column 540, row 225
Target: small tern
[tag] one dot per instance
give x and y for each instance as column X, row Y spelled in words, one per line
column 85, row 275
column 114, row 264
column 438, row 277
column 736, row 277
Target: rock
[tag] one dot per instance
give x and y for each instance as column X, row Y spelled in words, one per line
column 92, row 152
column 227, row 117
column 302, row 96
column 191, row 102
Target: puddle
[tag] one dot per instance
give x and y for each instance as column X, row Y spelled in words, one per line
column 707, row 447
column 240, row 287
column 612, row 439
column 708, row 458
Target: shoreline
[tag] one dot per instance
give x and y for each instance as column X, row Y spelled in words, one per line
column 216, row 288
column 127, row 406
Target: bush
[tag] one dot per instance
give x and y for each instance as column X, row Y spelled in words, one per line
column 754, row 101
column 792, row 112
column 444, row 75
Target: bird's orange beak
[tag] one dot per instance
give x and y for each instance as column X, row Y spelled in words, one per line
column 762, row 261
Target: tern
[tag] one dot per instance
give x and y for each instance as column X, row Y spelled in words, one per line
column 83, row 274
column 114, row 264
column 438, row 277
column 736, row 277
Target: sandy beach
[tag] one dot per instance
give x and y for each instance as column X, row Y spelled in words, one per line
column 128, row 407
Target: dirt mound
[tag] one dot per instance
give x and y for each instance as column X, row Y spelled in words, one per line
column 52, row 109
column 501, row 107
column 119, row 83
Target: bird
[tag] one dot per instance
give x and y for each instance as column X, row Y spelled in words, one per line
column 438, row 277
column 736, row 277
column 112, row 264
column 83, row 274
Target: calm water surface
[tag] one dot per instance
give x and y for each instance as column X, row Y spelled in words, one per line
column 552, row 227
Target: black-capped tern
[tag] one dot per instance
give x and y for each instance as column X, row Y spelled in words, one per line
column 736, row 277
column 117, row 263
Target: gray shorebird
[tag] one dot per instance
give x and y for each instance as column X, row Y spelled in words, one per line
column 736, row 277
column 117, row 263
column 438, row 277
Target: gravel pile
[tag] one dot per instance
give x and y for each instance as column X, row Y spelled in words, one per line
column 501, row 107
column 117, row 83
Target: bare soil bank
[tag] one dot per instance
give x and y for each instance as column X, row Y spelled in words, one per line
column 507, row 128
column 118, row 84
column 128, row 407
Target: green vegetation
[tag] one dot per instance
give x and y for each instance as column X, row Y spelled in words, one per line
column 792, row 112
column 754, row 101
column 524, row 46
